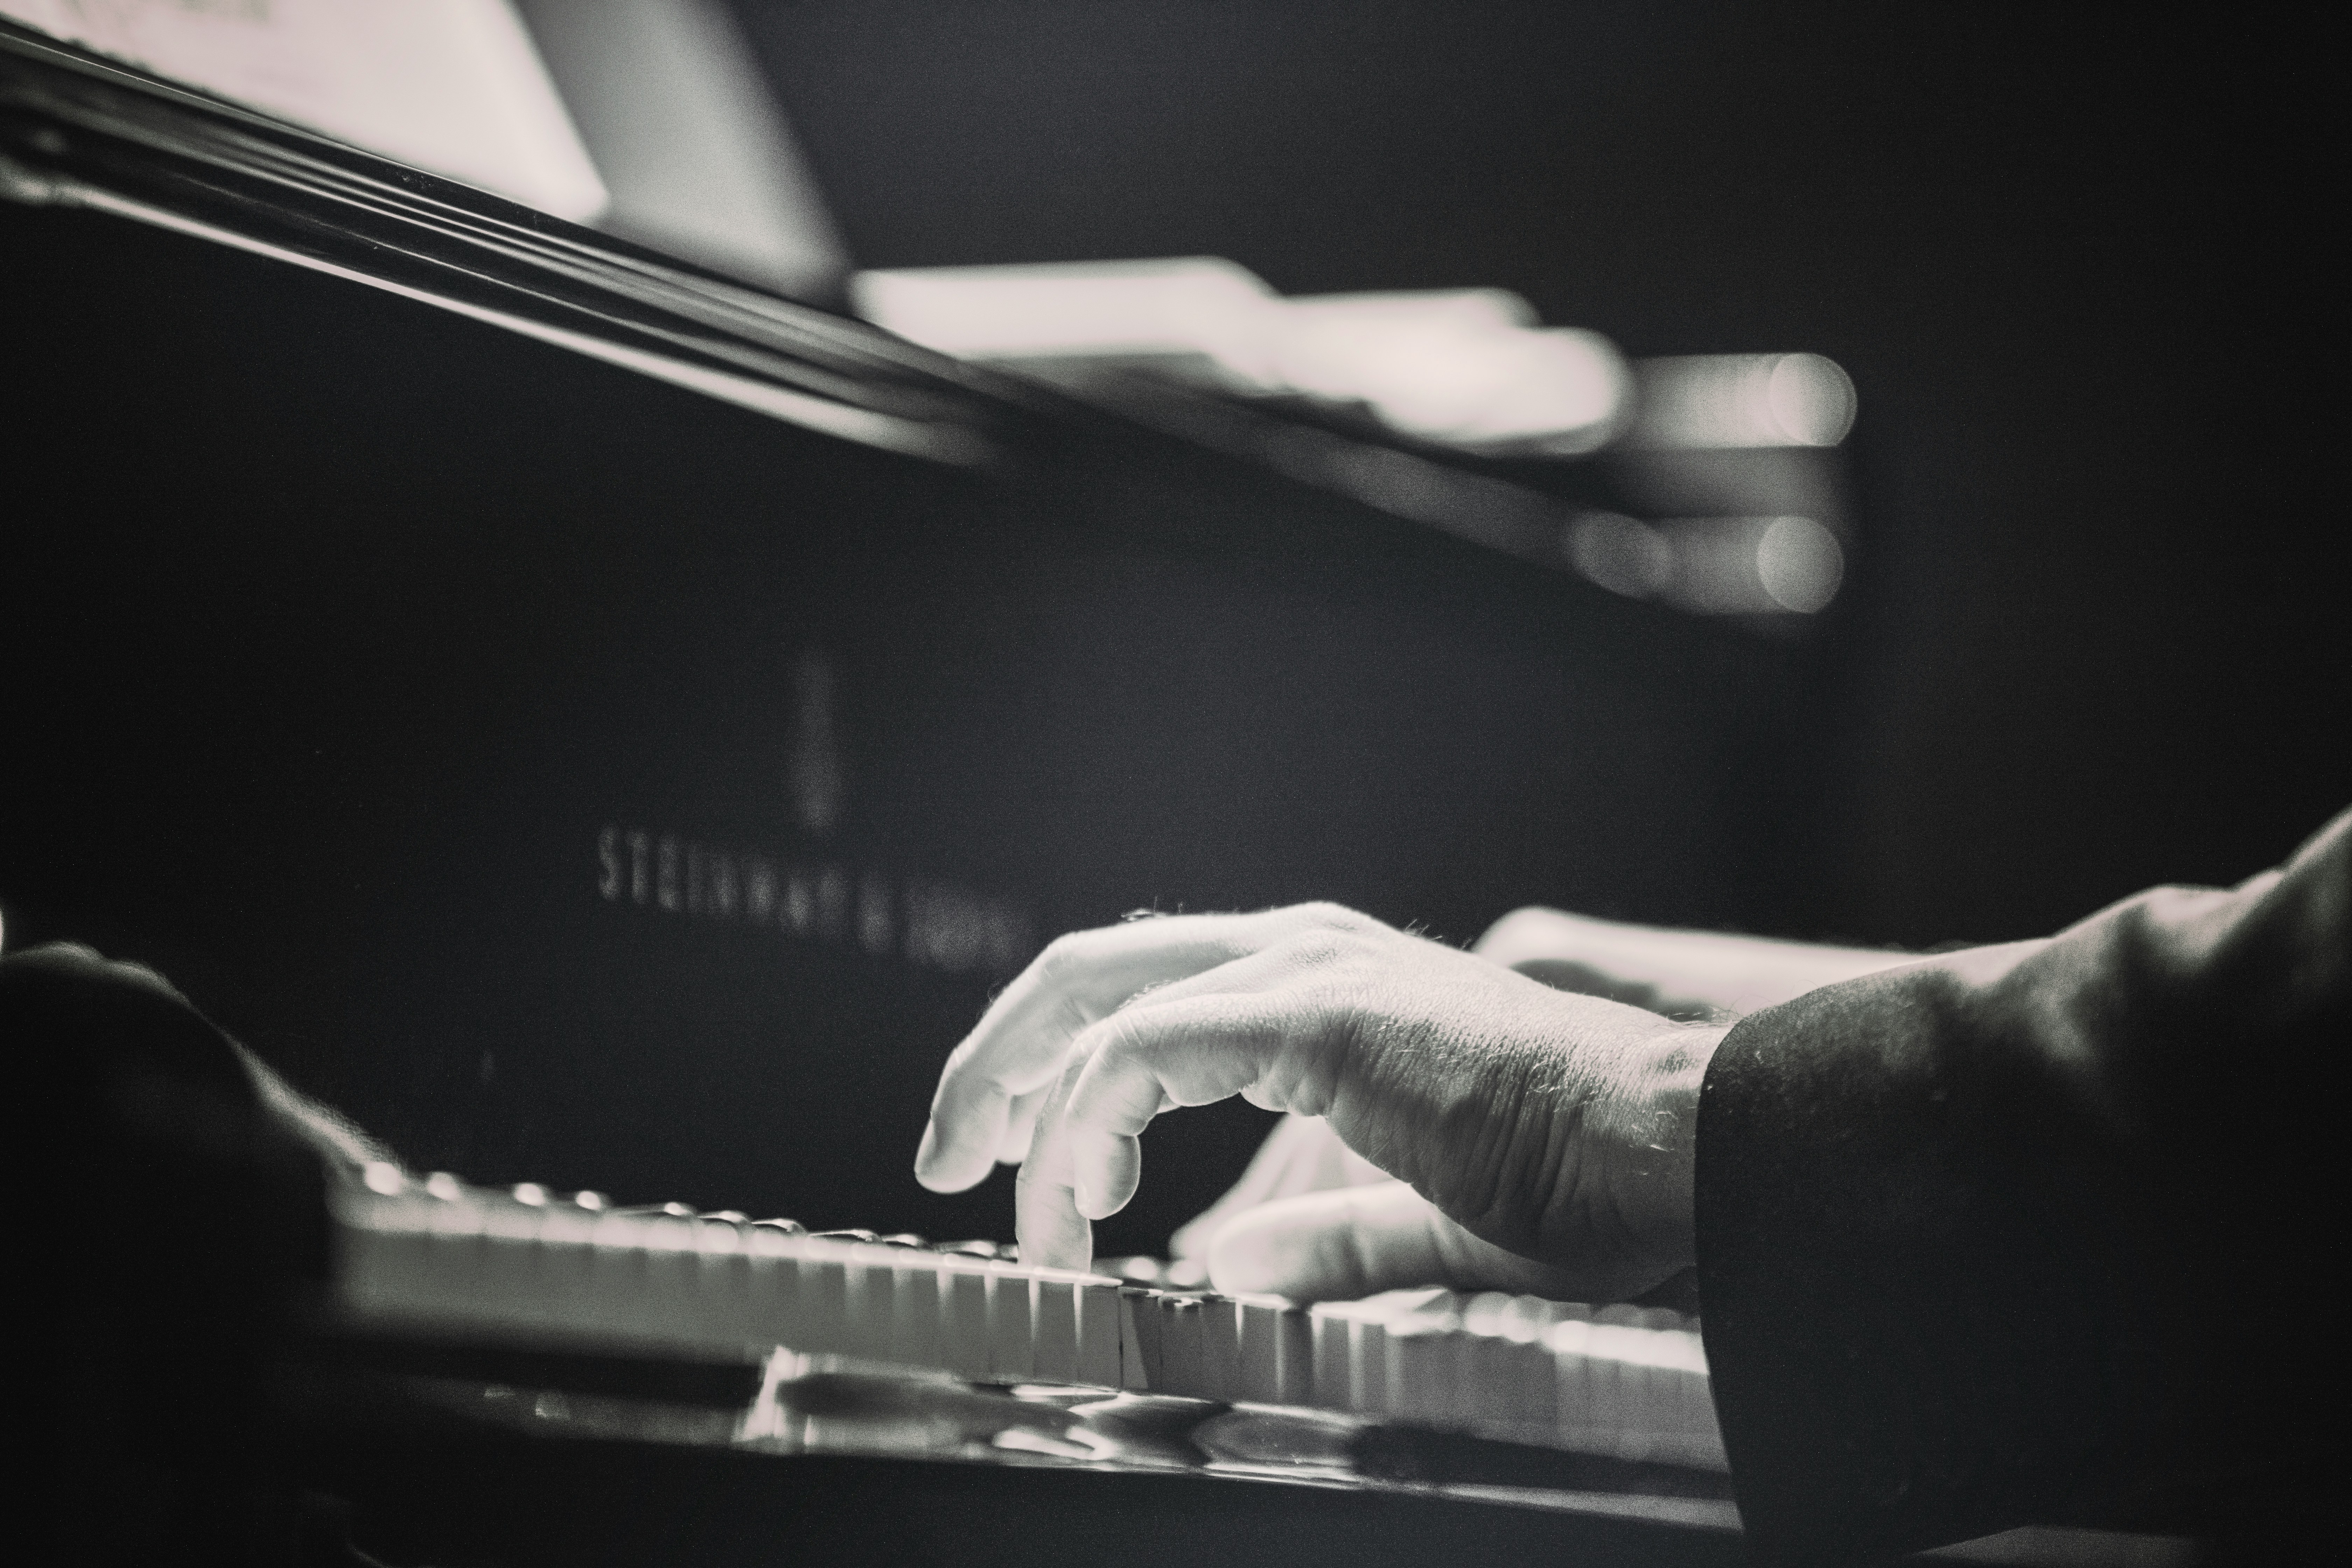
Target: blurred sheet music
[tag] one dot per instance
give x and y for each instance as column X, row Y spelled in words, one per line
column 453, row 86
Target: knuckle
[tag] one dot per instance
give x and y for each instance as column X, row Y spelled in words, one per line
column 1313, row 953
column 1121, row 1036
column 1327, row 915
column 1072, row 1017
column 1326, row 952
column 1524, row 919
column 1063, row 958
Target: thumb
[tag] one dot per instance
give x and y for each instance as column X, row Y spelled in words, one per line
column 1302, row 1154
column 1359, row 1241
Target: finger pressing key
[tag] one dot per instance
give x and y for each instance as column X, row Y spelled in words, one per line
column 1021, row 1039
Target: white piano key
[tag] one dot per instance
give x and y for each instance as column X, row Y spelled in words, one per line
column 915, row 1309
column 1686, row 1398
column 1368, row 1364
column 1535, row 1385
column 1614, row 1365
column 1011, row 1353
column 1054, row 1324
column 1668, row 1405
column 1492, row 1394
column 502, row 1258
column 714, row 1316
column 1221, row 1347
column 1295, row 1361
column 456, row 1227
column 1179, row 1345
column 1327, row 1332
column 1294, row 1357
column 615, row 1302
column 624, row 1275
column 671, row 1270
column 873, row 1280
column 1138, row 1340
column 963, row 1327
column 1416, row 1377
column 562, row 1265
column 1099, row 1336
column 384, row 1255
column 823, row 1291
column 1483, row 1394
column 774, row 1309
column 1354, row 1357
column 1276, row 1360
column 1256, row 1366
column 1572, row 1379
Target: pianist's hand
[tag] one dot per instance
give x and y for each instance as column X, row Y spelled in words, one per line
column 73, row 999
column 1693, row 975
column 1541, row 1139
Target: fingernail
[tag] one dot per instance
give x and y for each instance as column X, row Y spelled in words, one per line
column 1085, row 1195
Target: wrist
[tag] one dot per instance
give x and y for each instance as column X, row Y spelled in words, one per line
column 1653, row 1184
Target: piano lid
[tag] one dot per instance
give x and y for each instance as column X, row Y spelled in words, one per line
column 77, row 130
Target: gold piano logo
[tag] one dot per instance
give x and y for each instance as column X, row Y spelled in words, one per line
column 939, row 925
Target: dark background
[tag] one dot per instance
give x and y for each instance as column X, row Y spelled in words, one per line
column 2074, row 256
column 339, row 628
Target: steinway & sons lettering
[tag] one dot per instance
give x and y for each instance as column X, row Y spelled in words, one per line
column 937, row 924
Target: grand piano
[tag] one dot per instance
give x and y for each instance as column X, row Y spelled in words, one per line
column 605, row 725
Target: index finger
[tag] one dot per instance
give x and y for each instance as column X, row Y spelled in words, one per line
column 1021, row 1039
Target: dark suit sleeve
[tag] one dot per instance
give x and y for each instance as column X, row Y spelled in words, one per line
column 2014, row 1235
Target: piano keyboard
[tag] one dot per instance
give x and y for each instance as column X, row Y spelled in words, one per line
column 444, row 1260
